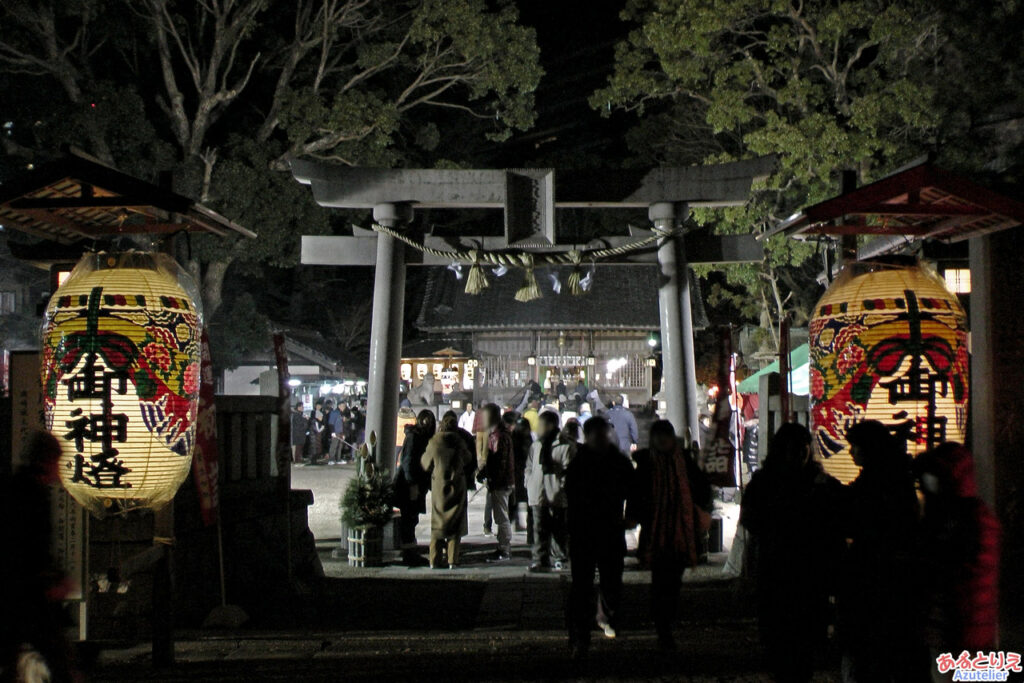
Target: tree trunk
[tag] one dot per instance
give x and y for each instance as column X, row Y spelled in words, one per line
column 213, row 288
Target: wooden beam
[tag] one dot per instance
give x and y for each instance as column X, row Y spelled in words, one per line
column 848, row 229
column 84, row 202
column 873, row 194
column 161, row 228
column 919, row 210
column 58, row 221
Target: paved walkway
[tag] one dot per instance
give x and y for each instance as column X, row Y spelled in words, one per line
column 482, row 622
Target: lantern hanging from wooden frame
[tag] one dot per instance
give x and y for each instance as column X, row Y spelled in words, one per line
column 889, row 343
column 120, row 373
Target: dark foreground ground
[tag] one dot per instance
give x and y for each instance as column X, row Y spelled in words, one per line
column 483, row 622
column 478, row 624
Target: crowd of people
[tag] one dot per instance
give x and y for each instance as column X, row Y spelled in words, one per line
column 897, row 577
column 886, row 575
column 890, row 571
column 579, row 486
column 329, row 434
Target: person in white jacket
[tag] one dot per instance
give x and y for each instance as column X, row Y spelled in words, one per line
column 468, row 419
column 545, row 469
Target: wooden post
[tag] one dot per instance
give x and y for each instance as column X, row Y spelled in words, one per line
column 847, row 243
column 163, row 588
column 784, row 369
column 282, row 449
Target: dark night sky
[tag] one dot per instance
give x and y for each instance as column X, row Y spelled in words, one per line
column 577, row 41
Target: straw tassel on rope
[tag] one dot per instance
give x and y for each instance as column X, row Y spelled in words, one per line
column 529, row 290
column 476, row 281
column 574, row 277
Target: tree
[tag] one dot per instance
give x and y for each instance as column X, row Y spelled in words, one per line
column 225, row 92
column 823, row 85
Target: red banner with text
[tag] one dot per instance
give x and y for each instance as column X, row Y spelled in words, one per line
column 205, row 459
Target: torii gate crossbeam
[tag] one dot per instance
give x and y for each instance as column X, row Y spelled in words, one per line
column 529, row 200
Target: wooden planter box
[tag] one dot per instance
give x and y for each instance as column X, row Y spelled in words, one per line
column 366, row 547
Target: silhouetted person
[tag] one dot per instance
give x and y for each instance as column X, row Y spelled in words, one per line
column 31, row 585
column 315, row 427
column 445, row 461
column 522, row 440
column 671, row 501
column 298, row 429
column 411, row 483
column 470, row 441
column 624, row 424
column 500, row 476
column 878, row 609
column 959, row 556
column 794, row 546
column 597, row 482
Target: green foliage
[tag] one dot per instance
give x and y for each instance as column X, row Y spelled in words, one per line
column 822, row 85
column 367, row 500
column 242, row 330
column 222, row 95
column 456, row 55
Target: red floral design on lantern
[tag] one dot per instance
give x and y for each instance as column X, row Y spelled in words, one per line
column 190, row 382
column 850, row 358
column 163, row 336
column 157, row 355
column 817, row 384
column 846, row 336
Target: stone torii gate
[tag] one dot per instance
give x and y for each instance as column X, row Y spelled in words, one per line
column 528, row 199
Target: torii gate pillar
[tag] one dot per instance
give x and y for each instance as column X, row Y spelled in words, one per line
column 386, row 333
column 677, row 347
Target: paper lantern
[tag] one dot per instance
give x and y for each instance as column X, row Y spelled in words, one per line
column 888, row 343
column 120, row 374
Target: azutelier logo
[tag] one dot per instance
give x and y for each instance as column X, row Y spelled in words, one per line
column 982, row 666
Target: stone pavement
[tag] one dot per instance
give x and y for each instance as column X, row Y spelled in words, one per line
column 482, row 622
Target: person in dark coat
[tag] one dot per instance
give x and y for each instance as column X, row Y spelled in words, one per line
column 470, row 441
column 445, row 461
column 315, row 428
column 31, row 584
column 522, row 439
column 794, row 546
column 878, row 611
column 959, row 555
column 411, row 483
column 624, row 424
column 298, row 428
column 671, row 501
column 597, row 481
column 499, row 473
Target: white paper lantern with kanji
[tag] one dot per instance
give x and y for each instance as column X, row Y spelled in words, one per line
column 889, row 343
column 120, row 372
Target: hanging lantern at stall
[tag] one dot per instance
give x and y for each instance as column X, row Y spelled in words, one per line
column 120, row 375
column 888, row 343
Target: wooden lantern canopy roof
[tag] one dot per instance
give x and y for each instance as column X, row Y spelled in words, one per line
column 921, row 201
column 77, row 197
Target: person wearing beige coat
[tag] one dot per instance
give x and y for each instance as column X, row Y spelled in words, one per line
column 447, row 460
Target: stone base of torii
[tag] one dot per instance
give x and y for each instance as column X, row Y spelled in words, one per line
column 529, row 202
